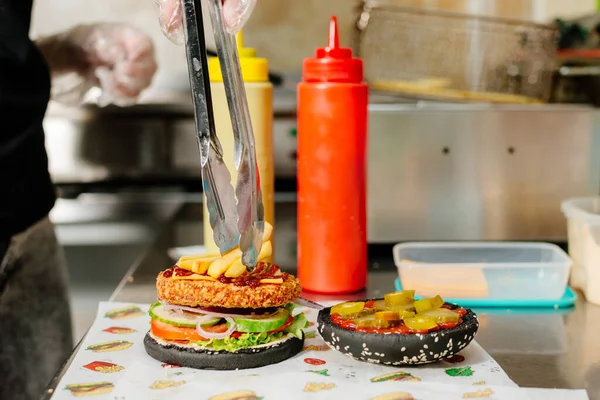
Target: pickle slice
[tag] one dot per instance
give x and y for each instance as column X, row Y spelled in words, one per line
column 379, row 323
column 428, row 304
column 387, row 316
column 406, row 307
column 399, row 298
column 365, row 322
column 441, row 315
column 371, row 321
column 403, row 314
column 348, row 308
column 437, row 301
column 365, row 312
column 379, row 305
column 420, row 323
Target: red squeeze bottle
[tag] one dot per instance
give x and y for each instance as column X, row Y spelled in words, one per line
column 332, row 144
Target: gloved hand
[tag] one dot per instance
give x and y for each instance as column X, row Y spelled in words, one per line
column 236, row 14
column 116, row 58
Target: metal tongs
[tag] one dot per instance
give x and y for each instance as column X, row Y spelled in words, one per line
column 233, row 224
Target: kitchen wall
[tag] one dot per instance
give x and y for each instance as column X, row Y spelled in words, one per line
column 284, row 31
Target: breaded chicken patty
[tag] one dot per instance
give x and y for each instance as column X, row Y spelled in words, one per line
column 204, row 293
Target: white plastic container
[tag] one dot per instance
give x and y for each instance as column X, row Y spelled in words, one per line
column 583, row 226
column 502, row 270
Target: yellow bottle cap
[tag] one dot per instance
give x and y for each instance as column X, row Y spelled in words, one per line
column 254, row 69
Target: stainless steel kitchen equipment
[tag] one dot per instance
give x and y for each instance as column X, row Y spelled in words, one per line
column 435, row 54
column 478, row 172
column 436, row 171
column 578, row 78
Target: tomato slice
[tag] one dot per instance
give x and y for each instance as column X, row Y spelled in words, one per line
column 171, row 332
column 219, row 328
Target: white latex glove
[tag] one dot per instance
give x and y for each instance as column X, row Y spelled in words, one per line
column 236, row 14
column 116, row 58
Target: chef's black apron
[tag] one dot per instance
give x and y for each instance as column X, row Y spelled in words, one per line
column 35, row 332
column 26, row 191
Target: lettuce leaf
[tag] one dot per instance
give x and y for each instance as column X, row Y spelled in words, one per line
column 290, row 307
column 297, row 327
column 244, row 341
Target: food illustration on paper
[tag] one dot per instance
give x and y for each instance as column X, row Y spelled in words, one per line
column 478, row 394
column 126, row 312
column 323, row 372
column 104, row 367
column 159, row 385
column 117, row 345
column 237, row 395
column 396, row 376
column 314, row 361
column 318, row 386
column 395, row 396
column 90, row 389
column 461, row 371
column 169, row 366
column 119, row 330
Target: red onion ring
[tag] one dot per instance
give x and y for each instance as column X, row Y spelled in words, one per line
column 213, row 335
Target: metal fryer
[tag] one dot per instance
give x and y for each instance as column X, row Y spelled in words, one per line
column 441, row 55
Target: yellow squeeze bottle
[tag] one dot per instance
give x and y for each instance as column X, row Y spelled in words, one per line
column 259, row 91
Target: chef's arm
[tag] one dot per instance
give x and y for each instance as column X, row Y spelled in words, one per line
column 116, row 58
column 61, row 54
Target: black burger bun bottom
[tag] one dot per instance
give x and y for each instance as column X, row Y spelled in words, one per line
column 398, row 349
column 223, row 360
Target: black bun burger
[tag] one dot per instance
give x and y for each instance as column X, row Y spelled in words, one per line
column 212, row 314
column 398, row 330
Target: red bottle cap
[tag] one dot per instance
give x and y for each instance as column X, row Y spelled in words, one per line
column 333, row 63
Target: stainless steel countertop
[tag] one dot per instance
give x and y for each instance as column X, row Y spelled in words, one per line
column 537, row 348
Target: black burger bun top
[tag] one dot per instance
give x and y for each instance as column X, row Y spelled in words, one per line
column 398, row 349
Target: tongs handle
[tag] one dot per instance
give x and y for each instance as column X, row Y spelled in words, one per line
column 250, row 207
column 216, row 178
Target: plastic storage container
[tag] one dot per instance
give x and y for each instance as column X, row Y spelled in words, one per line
column 483, row 270
column 583, row 226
